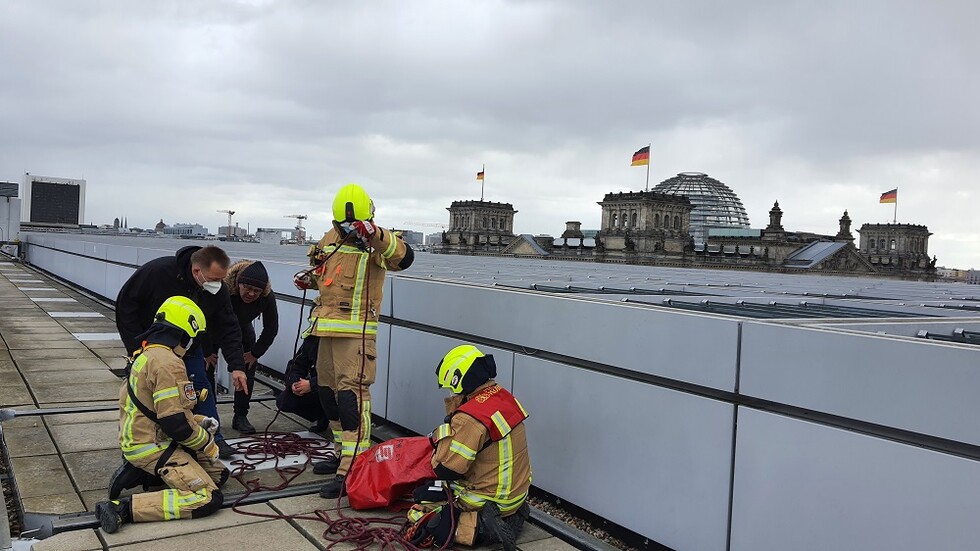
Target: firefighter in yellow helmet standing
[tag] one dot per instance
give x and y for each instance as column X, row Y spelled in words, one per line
column 158, row 431
column 349, row 267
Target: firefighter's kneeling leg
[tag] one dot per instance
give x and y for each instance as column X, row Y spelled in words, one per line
column 192, row 493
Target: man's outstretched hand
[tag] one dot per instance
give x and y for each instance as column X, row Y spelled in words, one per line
column 239, row 381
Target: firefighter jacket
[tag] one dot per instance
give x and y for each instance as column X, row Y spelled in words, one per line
column 485, row 441
column 160, row 382
column 351, row 282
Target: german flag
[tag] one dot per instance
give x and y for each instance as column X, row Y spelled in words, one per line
column 641, row 157
column 889, row 196
column 479, row 175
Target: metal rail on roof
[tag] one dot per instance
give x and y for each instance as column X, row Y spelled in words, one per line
column 775, row 310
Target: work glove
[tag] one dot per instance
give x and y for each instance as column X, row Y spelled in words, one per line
column 209, row 424
column 210, row 450
column 435, row 529
column 365, row 230
column 302, row 281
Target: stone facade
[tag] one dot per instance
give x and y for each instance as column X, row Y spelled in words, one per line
column 644, row 222
column 650, row 227
column 896, row 247
column 479, row 225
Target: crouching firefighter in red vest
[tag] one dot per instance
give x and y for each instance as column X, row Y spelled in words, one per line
column 480, row 454
column 158, row 433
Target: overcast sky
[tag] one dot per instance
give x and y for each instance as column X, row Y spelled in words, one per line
column 174, row 109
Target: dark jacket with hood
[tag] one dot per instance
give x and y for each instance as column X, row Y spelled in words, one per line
column 161, row 278
column 264, row 306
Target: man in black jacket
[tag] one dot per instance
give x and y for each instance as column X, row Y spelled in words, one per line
column 196, row 273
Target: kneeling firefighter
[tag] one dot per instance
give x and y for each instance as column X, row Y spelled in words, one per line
column 349, row 267
column 481, row 453
column 158, row 433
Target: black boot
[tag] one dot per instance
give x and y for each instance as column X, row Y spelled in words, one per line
column 241, row 424
column 320, row 426
column 225, row 451
column 327, row 466
column 113, row 514
column 126, row 476
column 334, row 488
column 491, row 528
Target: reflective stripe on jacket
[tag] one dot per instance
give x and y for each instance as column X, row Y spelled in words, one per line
column 351, row 283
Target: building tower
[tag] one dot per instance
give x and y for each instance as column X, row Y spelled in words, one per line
column 480, row 223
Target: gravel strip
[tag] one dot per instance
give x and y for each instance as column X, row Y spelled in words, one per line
column 578, row 523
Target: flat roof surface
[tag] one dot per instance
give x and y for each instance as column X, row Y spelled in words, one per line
column 59, row 349
column 600, row 280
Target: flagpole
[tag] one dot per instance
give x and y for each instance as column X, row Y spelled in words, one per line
column 649, row 145
column 895, row 214
column 483, row 181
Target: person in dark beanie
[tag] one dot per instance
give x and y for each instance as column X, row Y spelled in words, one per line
column 251, row 297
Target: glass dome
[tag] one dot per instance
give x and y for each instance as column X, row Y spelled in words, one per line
column 715, row 204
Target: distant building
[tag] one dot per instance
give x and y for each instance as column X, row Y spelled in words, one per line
column 276, row 236
column 413, row 237
column 48, row 200
column 652, row 227
column 187, row 230
column 479, row 225
column 646, row 221
column 160, row 226
column 433, row 238
column 10, row 211
column 973, row 277
column 896, row 247
column 952, row 274
column 715, row 205
column 235, row 231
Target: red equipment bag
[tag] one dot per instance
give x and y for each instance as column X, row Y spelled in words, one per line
column 389, row 471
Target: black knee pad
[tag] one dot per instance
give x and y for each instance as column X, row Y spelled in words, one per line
column 350, row 418
column 223, row 478
column 328, row 401
column 217, row 498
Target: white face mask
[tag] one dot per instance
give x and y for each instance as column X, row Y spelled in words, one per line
column 210, row 286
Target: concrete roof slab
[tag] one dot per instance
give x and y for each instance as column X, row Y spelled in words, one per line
column 52, row 354
column 93, row 470
column 33, row 343
column 230, row 521
column 306, row 504
column 88, row 437
column 15, row 396
column 41, row 476
column 78, row 540
column 28, row 441
column 60, row 364
column 75, row 418
column 74, row 377
column 85, row 392
column 58, row 504
column 550, row 544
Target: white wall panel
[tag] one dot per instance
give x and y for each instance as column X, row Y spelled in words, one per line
column 922, row 386
column 414, row 400
column 687, row 347
column 804, row 486
column 653, row 460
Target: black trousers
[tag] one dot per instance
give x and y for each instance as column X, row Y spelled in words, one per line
column 242, row 399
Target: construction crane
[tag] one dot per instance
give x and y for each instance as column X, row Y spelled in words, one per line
column 230, row 213
column 300, row 230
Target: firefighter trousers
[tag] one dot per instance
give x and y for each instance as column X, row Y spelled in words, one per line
column 345, row 371
column 193, row 487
